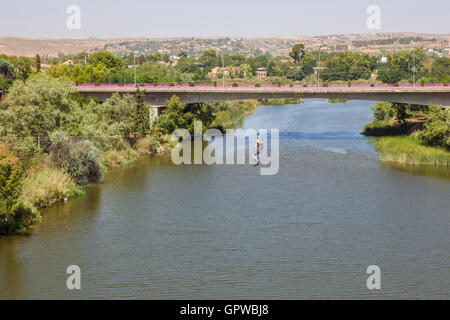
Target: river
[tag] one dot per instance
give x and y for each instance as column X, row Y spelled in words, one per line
column 155, row 230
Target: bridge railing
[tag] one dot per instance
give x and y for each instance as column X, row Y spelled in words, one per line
column 250, row 85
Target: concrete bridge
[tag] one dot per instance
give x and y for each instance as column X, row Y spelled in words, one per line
column 158, row 95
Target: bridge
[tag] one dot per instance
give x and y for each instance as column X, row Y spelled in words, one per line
column 159, row 94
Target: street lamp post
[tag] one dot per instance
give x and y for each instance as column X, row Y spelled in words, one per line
column 318, row 70
column 135, row 67
column 414, row 68
column 223, row 70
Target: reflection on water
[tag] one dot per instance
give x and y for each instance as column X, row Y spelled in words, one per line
column 156, row 230
column 438, row 172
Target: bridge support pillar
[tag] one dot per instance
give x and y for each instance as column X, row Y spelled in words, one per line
column 155, row 112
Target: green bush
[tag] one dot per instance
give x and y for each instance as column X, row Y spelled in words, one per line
column 46, row 186
column 235, row 84
column 148, row 145
column 79, row 159
column 191, row 84
column 82, row 163
column 349, row 83
column 257, row 84
column 436, row 132
column 215, row 83
column 325, row 84
column 383, row 110
column 422, row 82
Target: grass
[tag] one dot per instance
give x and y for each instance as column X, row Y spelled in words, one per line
column 228, row 118
column 48, row 185
column 379, row 128
column 408, row 150
column 282, row 101
column 119, row 158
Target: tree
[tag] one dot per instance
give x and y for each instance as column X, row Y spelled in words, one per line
column 383, row 111
column 178, row 115
column 400, row 112
column 24, row 67
column 6, row 69
column 106, row 59
column 440, row 69
column 141, row 122
column 297, row 53
column 10, row 179
column 38, row 107
column 38, row 63
column 400, row 65
column 182, row 54
column 436, row 130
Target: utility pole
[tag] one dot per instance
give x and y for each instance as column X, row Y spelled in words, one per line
column 135, row 67
column 223, row 72
column 414, row 68
column 318, row 71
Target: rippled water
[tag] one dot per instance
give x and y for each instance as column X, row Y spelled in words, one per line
column 155, row 230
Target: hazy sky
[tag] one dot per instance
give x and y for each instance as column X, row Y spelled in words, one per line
column 176, row 18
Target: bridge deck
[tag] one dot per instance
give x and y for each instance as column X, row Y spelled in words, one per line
column 158, row 95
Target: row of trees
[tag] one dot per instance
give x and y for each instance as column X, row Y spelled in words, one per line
column 103, row 67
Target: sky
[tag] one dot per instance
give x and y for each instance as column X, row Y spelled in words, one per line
column 205, row 18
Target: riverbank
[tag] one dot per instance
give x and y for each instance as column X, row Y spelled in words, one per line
column 408, row 150
column 420, row 140
column 67, row 169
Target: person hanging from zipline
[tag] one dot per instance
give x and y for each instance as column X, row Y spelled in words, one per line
column 259, row 146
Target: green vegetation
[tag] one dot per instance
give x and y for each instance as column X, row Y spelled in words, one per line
column 229, row 113
column 53, row 143
column 281, row 101
column 410, row 151
column 408, row 140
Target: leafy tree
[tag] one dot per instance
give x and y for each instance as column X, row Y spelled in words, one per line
column 400, row 65
column 436, row 130
column 37, row 107
column 346, row 66
column 440, row 69
column 383, row 110
column 400, row 112
column 141, row 121
column 10, row 180
column 182, row 54
column 38, row 63
column 6, row 69
column 107, row 60
column 178, row 115
column 297, row 53
column 24, row 67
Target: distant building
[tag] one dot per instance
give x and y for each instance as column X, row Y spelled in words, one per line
column 446, row 52
column 214, row 72
column 316, row 69
column 69, row 62
column 261, row 73
column 199, row 64
column 45, row 66
column 445, row 44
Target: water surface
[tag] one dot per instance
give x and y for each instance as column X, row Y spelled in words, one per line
column 155, row 230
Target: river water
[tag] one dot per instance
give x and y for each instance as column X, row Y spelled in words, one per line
column 156, row 230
